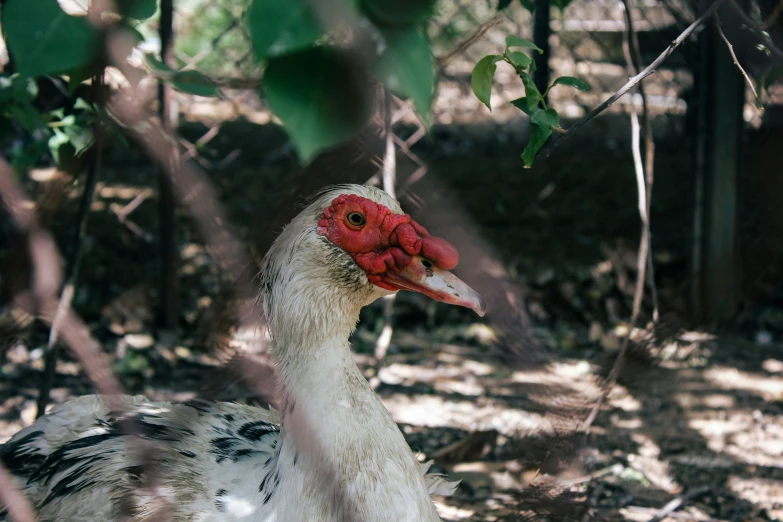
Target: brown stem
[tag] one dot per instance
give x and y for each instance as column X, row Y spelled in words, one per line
column 644, row 258
column 634, row 60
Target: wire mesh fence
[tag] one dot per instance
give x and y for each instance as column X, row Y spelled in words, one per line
column 586, row 41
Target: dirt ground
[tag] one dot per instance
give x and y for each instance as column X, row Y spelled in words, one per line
column 697, row 415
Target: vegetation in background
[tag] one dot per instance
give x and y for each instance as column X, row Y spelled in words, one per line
column 54, row 51
column 65, row 132
column 313, row 78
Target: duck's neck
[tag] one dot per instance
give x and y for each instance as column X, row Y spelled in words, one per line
column 339, row 430
column 324, row 394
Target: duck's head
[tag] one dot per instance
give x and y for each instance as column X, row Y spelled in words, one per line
column 353, row 244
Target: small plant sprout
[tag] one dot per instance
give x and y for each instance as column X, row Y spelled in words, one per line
column 543, row 120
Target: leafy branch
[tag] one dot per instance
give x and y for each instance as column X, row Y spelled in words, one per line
column 544, row 120
column 635, row 80
column 313, row 80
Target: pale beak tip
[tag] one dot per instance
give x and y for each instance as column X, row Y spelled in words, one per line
column 480, row 307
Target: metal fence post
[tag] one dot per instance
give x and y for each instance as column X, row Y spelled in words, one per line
column 541, row 32
column 168, row 288
column 716, row 252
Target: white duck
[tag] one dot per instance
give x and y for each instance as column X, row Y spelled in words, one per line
column 334, row 452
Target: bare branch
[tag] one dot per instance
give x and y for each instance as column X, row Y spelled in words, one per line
column 546, row 151
column 644, row 257
column 675, row 504
column 634, row 59
column 470, row 40
column 719, row 25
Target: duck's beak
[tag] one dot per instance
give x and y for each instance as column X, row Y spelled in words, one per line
column 421, row 275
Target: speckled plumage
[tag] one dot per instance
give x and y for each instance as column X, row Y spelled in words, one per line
column 333, row 454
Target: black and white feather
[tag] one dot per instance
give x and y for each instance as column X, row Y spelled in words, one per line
column 334, row 454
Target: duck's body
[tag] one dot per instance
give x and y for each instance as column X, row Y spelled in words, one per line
column 213, row 461
column 333, row 453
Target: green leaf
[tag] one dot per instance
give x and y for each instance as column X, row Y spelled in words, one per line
column 546, row 118
column 56, row 141
column 532, row 111
column 80, row 137
column 278, row 27
column 26, row 115
column 320, row 95
column 538, row 136
column 561, row 4
column 531, row 91
column 406, row 67
column 83, row 105
column 572, row 82
column 42, row 39
column 151, row 61
column 515, row 41
column 521, row 104
column 25, row 88
column 398, row 13
column 538, row 117
column 137, row 9
column 519, row 59
column 94, row 67
column 481, row 78
column 193, row 82
column 79, row 75
column 502, row 4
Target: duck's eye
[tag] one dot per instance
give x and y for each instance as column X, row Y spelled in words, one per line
column 355, row 219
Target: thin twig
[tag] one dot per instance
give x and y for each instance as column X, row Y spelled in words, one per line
column 72, row 268
column 644, row 242
column 675, row 504
column 546, row 151
column 614, row 469
column 122, row 214
column 676, row 516
column 719, row 25
column 634, row 59
column 643, row 257
column 470, row 40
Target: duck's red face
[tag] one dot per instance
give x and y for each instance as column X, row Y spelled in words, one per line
column 395, row 252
